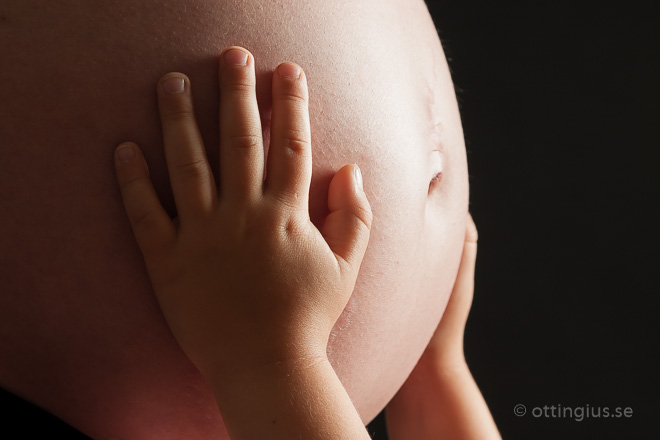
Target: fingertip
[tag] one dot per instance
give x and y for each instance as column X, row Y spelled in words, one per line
column 361, row 196
column 348, row 226
column 471, row 234
column 289, row 70
column 346, row 193
column 348, row 188
column 357, row 178
column 173, row 74
column 125, row 152
column 173, row 83
column 236, row 55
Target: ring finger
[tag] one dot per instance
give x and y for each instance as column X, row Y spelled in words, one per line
column 191, row 177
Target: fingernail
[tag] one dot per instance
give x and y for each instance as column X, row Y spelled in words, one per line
column 125, row 153
column 235, row 56
column 173, row 85
column 358, row 177
column 289, row 70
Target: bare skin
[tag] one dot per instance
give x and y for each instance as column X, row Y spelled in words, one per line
column 81, row 333
column 440, row 399
column 250, row 288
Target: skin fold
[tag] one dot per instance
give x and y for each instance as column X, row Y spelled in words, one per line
column 81, row 333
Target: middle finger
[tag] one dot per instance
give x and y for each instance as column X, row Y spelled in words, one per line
column 241, row 144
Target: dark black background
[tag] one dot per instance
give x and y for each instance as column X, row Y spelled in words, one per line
column 559, row 103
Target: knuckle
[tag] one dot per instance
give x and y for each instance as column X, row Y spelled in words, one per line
column 128, row 184
column 293, row 95
column 178, row 115
column 240, row 85
column 296, row 139
column 286, row 200
column 296, row 145
column 293, row 226
column 144, row 220
column 364, row 216
column 245, row 142
column 196, row 169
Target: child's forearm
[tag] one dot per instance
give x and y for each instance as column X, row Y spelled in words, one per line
column 441, row 403
column 304, row 401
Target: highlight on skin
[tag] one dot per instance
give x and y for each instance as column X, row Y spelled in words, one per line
column 381, row 96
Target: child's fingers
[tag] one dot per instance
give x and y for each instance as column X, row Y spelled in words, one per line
column 465, row 278
column 151, row 225
column 241, row 144
column 290, row 156
column 191, row 177
column 447, row 341
column 460, row 300
column 471, row 234
column 347, row 227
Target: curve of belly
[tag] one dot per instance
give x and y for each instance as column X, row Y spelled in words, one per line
column 80, row 331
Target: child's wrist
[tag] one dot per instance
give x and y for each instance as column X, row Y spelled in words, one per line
column 288, row 399
column 240, row 372
column 268, row 386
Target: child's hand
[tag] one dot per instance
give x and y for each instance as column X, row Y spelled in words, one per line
column 440, row 398
column 242, row 276
column 446, row 346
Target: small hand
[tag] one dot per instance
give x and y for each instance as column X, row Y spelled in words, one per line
column 243, row 277
column 440, row 398
column 446, row 345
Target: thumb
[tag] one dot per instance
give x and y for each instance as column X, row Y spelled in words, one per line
column 347, row 227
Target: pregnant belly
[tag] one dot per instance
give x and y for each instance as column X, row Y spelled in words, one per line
column 81, row 334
